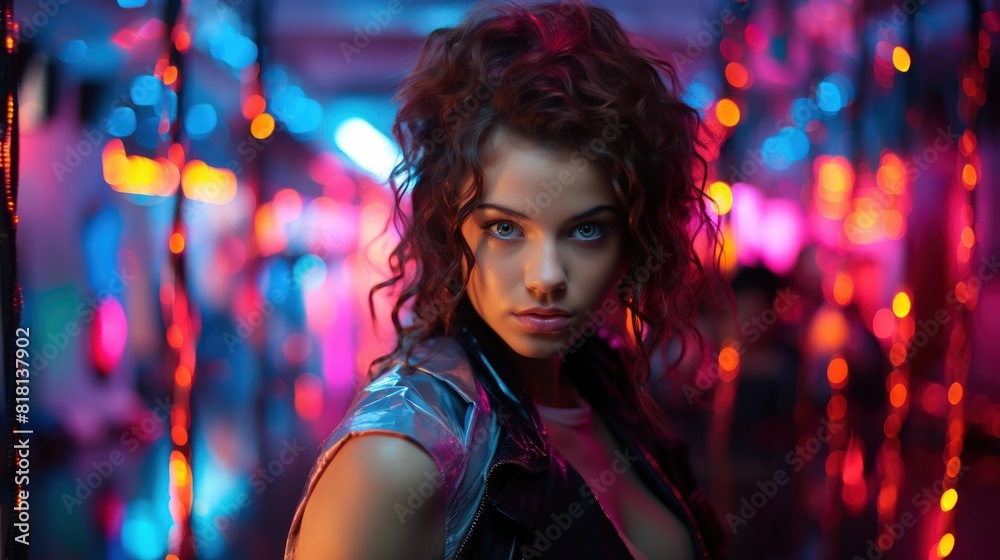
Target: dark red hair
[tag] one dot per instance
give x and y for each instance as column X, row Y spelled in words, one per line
column 555, row 73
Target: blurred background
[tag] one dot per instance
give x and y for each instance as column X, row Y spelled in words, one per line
column 201, row 197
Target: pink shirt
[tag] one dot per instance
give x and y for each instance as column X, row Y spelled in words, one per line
column 648, row 527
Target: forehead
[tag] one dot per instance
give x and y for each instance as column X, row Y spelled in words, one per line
column 546, row 184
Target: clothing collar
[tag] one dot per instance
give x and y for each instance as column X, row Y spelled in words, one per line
column 518, row 493
column 492, row 357
column 593, row 367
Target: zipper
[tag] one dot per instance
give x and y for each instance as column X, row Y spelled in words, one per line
column 486, row 496
column 500, row 385
column 468, row 535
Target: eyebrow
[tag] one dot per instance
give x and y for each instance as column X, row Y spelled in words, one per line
column 516, row 214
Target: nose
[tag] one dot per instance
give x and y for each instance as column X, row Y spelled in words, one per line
column 544, row 272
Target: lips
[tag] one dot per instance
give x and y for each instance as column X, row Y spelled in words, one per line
column 544, row 311
column 544, row 323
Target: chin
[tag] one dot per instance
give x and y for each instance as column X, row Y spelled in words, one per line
column 537, row 347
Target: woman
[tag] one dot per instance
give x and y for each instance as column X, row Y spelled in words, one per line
column 552, row 179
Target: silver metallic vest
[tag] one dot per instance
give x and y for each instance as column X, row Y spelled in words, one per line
column 502, row 484
column 441, row 407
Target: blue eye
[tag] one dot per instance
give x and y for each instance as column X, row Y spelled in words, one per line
column 508, row 231
column 592, row 231
column 505, row 231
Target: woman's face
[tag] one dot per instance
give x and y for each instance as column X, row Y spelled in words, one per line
column 548, row 233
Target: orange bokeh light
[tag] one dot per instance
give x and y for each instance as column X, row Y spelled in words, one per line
column 253, row 106
column 182, row 375
column 836, row 372
column 175, row 338
column 898, row 395
column 176, row 243
column 736, row 75
column 969, row 176
column 727, row 112
column 262, row 126
column 843, row 289
column 955, row 393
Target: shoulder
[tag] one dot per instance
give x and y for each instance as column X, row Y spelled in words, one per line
column 434, row 388
column 427, row 399
column 426, row 412
column 362, row 506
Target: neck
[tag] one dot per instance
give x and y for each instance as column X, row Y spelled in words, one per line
column 546, row 382
column 542, row 378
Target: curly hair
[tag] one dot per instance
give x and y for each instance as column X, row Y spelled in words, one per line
column 554, row 73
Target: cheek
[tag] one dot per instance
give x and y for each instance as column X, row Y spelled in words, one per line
column 599, row 280
column 482, row 277
column 491, row 275
column 599, row 274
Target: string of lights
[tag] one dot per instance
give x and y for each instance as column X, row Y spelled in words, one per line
column 180, row 312
column 15, row 344
column 972, row 96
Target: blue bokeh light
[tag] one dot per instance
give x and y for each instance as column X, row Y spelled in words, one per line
column 834, row 93
column 785, row 148
column 698, row 95
column 232, row 47
column 828, row 97
column 102, row 230
column 169, row 104
column 142, row 537
column 309, row 271
column 274, row 79
column 300, row 114
column 797, row 140
column 73, row 51
column 306, row 118
column 803, row 110
column 146, row 90
column 285, row 100
column 122, row 121
column 201, row 120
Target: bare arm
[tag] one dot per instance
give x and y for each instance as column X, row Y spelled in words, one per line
column 361, row 507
